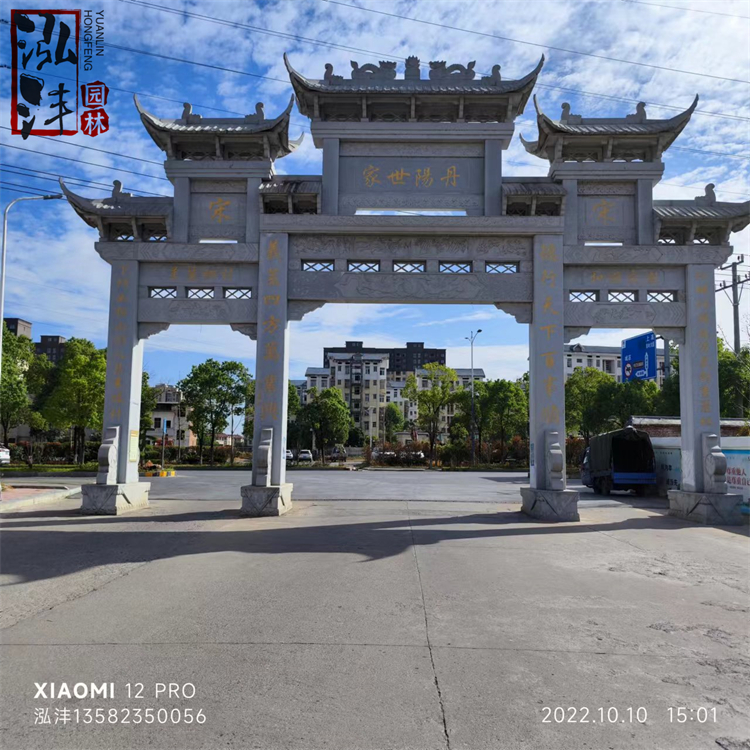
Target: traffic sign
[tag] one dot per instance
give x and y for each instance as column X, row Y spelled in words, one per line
column 639, row 357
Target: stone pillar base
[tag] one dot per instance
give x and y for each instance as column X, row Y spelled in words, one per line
column 707, row 508
column 550, row 505
column 266, row 501
column 114, row 499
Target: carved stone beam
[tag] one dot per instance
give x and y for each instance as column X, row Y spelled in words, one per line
column 574, row 332
column 521, row 311
column 297, row 309
column 246, row 329
column 671, row 334
column 146, row 330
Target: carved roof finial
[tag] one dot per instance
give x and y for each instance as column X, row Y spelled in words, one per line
column 495, row 77
column 259, row 112
column 329, row 77
column 565, row 112
column 187, row 110
column 709, row 199
column 117, row 189
column 412, row 71
column 440, row 71
column 640, row 113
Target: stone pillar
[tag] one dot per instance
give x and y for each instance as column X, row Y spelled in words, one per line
column 703, row 494
column 547, row 498
column 122, row 399
column 571, row 212
column 645, row 210
column 181, row 210
column 493, row 178
column 330, row 196
column 270, row 494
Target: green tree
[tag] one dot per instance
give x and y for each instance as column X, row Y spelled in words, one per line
column 327, row 415
column 433, row 399
column 634, row 397
column 393, row 419
column 207, row 394
column 149, row 399
column 511, row 411
column 734, row 381
column 587, row 409
column 14, row 396
column 356, row 437
column 77, row 400
column 235, row 391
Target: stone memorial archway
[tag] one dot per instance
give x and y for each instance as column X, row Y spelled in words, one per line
column 586, row 246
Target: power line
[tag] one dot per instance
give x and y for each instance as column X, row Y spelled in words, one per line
column 75, row 181
column 140, row 93
column 37, row 191
column 535, row 44
column 91, row 148
column 372, row 53
column 81, row 161
column 691, row 10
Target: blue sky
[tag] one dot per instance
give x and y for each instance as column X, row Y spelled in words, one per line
column 56, row 280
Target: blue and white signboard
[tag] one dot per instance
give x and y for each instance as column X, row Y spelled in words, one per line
column 639, row 358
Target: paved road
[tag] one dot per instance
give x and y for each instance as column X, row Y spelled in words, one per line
column 372, row 625
column 328, row 484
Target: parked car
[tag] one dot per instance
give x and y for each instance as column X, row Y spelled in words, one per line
column 305, row 456
column 619, row 460
column 4, row 454
column 288, row 455
column 338, row 453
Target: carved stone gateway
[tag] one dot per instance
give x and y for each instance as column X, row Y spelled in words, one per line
column 239, row 245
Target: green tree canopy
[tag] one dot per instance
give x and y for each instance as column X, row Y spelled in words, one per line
column 433, row 399
column 510, row 412
column 77, row 399
column 327, row 415
column 588, row 409
column 393, row 419
column 213, row 391
column 149, row 396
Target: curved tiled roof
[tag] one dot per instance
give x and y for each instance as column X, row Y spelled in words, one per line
column 160, row 129
column 417, row 86
column 605, row 126
column 692, row 211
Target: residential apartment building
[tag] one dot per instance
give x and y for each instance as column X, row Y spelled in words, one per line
column 18, row 327
column 52, row 346
column 401, row 360
column 369, row 380
column 362, row 380
column 604, row 358
column 170, row 420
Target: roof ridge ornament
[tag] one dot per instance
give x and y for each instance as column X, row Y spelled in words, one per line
column 640, row 113
column 384, row 71
column 495, row 77
column 709, row 199
column 457, row 72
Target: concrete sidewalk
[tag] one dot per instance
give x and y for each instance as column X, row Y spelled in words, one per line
column 28, row 494
column 375, row 625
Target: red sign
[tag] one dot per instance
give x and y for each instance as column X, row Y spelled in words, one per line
column 94, row 121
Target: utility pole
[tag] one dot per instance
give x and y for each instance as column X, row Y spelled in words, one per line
column 470, row 338
column 735, row 285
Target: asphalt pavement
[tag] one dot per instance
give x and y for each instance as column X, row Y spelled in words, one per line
column 390, row 485
column 366, row 625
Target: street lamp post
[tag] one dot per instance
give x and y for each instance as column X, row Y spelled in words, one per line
column 470, row 338
column 5, row 243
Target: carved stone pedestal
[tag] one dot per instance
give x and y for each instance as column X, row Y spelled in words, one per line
column 709, row 508
column 266, row 501
column 114, row 499
column 550, row 505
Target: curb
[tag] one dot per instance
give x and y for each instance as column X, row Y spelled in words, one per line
column 164, row 473
column 59, row 493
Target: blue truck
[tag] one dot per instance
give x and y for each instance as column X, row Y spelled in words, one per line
column 620, row 460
